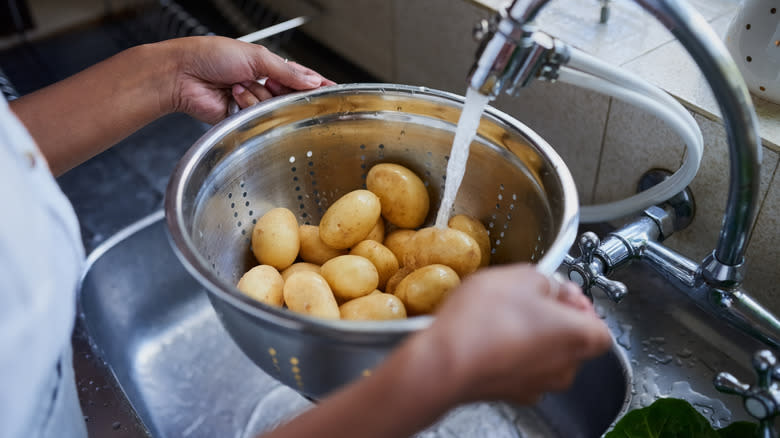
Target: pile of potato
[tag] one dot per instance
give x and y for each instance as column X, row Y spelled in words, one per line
column 347, row 268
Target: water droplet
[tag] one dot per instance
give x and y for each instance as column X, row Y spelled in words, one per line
column 624, row 339
column 116, row 425
column 660, row 359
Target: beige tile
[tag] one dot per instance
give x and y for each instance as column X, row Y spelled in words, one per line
column 762, row 279
column 434, row 46
column 635, row 142
column 683, row 79
column 570, row 119
column 671, row 68
column 362, row 32
column 768, row 122
column 629, row 33
column 710, row 191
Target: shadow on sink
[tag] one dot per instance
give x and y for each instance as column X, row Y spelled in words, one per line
column 157, row 331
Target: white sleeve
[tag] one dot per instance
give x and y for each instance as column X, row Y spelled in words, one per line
column 41, row 257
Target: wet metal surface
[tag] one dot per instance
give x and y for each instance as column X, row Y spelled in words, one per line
column 184, row 376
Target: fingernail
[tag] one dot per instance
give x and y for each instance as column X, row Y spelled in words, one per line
column 238, row 89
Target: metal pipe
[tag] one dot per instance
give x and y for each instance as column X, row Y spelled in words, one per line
column 496, row 66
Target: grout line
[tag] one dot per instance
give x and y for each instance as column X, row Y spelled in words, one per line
column 774, row 179
column 601, row 152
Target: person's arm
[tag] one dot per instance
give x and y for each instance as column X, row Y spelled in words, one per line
column 504, row 335
column 84, row 114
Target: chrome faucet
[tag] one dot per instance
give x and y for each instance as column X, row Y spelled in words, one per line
column 513, row 52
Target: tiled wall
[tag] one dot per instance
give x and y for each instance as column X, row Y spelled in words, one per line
column 607, row 144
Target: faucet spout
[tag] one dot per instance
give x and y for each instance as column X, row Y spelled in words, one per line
column 503, row 61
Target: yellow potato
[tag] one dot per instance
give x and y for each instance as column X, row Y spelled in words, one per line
column 445, row 246
column 298, row 267
column 378, row 232
column 399, row 275
column 263, row 283
column 313, row 249
column 383, row 259
column 403, row 195
column 398, row 242
column 477, row 231
column 349, row 220
column 376, row 307
column 425, row 289
column 350, row 276
column 275, row 239
column 308, row 293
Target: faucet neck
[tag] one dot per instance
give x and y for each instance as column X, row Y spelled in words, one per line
column 504, row 57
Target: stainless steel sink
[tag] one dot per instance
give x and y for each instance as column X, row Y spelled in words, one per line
column 156, row 330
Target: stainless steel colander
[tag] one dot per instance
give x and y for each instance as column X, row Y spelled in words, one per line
column 303, row 152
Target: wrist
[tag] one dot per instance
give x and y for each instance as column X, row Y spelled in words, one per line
column 433, row 371
column 160, row 65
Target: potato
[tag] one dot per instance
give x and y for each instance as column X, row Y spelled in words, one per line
column 445, row 246
column 476, row 231
column 398, row 242
column 383, row 259
column 399, row 275
column 349, row 220
column 425, row 289
column 313, row 249
column 376, row 307
column 308, row 293
column 263, row 283
column 403, row 195
column 298, row 267
column 378, row 232
column 350, row 276
column 275, row 239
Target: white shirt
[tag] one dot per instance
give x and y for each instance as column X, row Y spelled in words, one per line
column 41, row 258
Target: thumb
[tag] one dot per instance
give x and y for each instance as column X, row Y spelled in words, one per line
column 293, row 75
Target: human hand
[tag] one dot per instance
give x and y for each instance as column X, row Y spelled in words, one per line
column 210, row 71
column 510, row 333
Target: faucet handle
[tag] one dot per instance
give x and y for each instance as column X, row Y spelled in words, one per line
column 762, row 400
column 588, row 271
column 728, row 384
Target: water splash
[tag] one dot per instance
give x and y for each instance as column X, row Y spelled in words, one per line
column 456, row 166
column 712, row 408
column 645, row 384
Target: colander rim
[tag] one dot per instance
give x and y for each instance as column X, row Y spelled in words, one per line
column 198, row 267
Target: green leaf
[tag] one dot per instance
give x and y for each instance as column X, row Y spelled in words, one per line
column 739, row 429
column 674, row 418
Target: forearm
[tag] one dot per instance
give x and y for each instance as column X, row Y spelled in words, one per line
column 406, row 393
column 85, row 114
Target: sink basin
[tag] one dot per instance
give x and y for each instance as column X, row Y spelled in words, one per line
column 156, row 330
